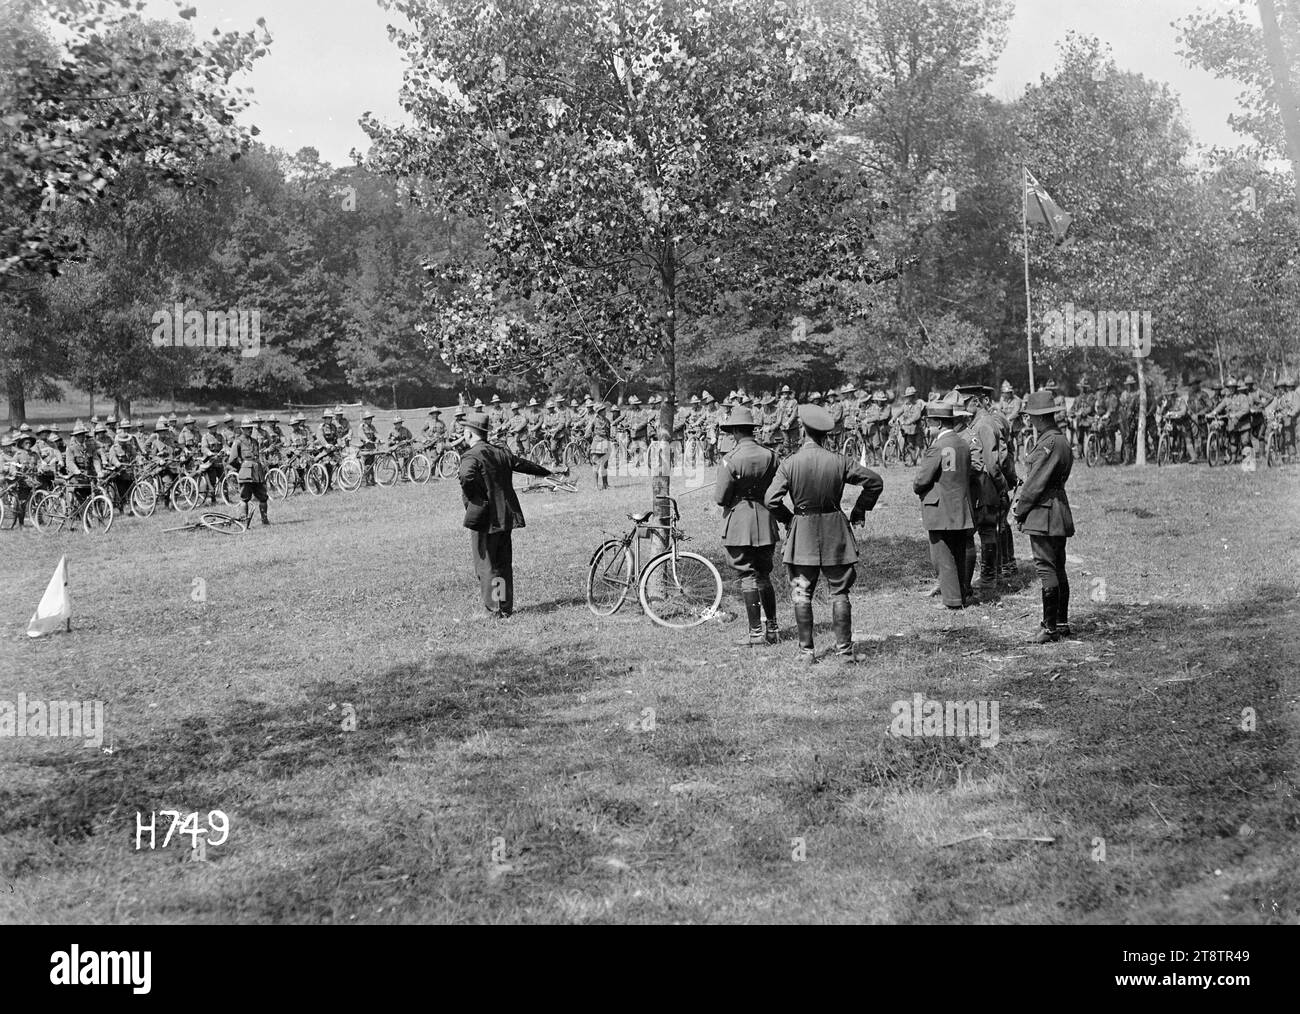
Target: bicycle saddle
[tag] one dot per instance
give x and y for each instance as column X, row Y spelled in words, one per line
column 641, row 518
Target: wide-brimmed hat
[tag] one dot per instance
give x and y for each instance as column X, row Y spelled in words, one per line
column 398, row 420
column 909, row 392
column 938, row 410
column 695, row 399
column 816, row 418
column 459, row 413
column 815, row 396
column 211, row 424
column 705, row 396
column 880, row 396
column 246, row 422
column 172, row 417
column 1040, row 403
column 1006, row 386
column 739, row 417
column 123, row 438
column 532, row 402
column 496, row 400
column 432, row 411
column 158, row 427
column 785, row 389
column 478, row 422
column 981, row 389
column 190, row 420
column 632, row 399
column 1130, row 379
column 847, row 389
column 367, row 415
column 478, row 402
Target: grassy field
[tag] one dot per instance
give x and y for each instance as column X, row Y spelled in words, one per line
column 510, row 772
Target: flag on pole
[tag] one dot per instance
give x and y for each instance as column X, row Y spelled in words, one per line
column 1039, row 207
column 55, row 611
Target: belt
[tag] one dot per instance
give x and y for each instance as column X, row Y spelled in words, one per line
column 802, row 511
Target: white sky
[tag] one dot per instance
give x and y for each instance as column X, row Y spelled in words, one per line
column 331, row 60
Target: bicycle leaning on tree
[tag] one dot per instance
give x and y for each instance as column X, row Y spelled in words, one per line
column 676, row 588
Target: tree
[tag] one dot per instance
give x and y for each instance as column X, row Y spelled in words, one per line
column 631, row 164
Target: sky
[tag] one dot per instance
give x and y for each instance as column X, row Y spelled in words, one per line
column 331, row 60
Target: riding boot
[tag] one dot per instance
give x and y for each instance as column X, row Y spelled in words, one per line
column 754, row 612
column 1063, row 610
column 1047, row 630
column 988, row 563
column 842, row 625
column 262, row 507
column 767, row 596
column 803, row 620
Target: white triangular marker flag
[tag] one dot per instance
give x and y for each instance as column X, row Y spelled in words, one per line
column 55, row 611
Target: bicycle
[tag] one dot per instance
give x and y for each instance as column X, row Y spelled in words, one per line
column 852, row 446
column 677, row 589
column 550, row 484
column 197, row 483
column 1171, row 446
column 59, row 510
column 214, row 521
column 1098, row 451
column 1277, row 447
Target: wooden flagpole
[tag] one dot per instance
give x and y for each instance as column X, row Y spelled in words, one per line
column 1029, row 314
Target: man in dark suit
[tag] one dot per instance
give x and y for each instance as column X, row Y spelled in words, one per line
column 492, row 512
column 748, row 528
column 1043, row 513
column 942, row 481
column 820, row 540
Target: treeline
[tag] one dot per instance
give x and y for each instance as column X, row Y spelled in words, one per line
column 874, row 233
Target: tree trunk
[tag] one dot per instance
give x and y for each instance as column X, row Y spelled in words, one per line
column 903, row 377
column 393, row 388
column 122, row 406
column 17, row 395
column 1287, row 105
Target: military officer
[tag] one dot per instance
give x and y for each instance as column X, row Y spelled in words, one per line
column 516, row 428
column 748, row 529
column 989, row 461
column 788, row 419
column 246, row 455
column 1043, row 513
column 600, row 443
column 820, row 540
column 943, row 482
column 909, row 420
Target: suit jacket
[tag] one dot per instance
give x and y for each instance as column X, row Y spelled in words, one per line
column 743, row 478
column 487, row 487
column 815, row 478
column 943, row 481
column 1043, row 508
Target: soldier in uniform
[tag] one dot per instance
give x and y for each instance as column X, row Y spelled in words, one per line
column 342, row 428
column 874, row 422
column 910, row 414
column 369, row 445
column 492, row 512
column 246, row 455
column 600, row 443
column 990, row 462
column 497, row 415
column 212, row 448
column 820, row 541
column 327, row 434
column 1128, row 416
column 1009, row 405
column 748, row 529
column 788, row 418
column 401, row 443
column 836, row 409
column 81, row 462
column 120, row 462
column 1081, row 413
column 1043, row 513
column 516, row 429
column 433, row 433
column 848, row 399
column 228, row 430
column 533, row 413
column 943, row 482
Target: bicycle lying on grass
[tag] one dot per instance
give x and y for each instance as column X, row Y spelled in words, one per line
column 214, row 521
column 551, row 484
column 677, row 589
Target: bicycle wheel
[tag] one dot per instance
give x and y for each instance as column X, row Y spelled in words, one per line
column 143, row 498
column 226, row 524
column 349, row 475
column 418, row 469
column 1215, row 449
column 294, row 480
column 449, row 465
column 680, row 590
column 1163, row 451
column 230, row 489
column 277, row 484
column 318, row 479
column 609, row 577
column 910, row 454
column 540, row 453
column 852, row 447
column 50, row 514
column 185, row 494
column 891, row 451
column 386, row 470
column 97, row 515
column 1090, row 452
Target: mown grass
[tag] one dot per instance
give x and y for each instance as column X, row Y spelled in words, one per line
column 510, row 772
